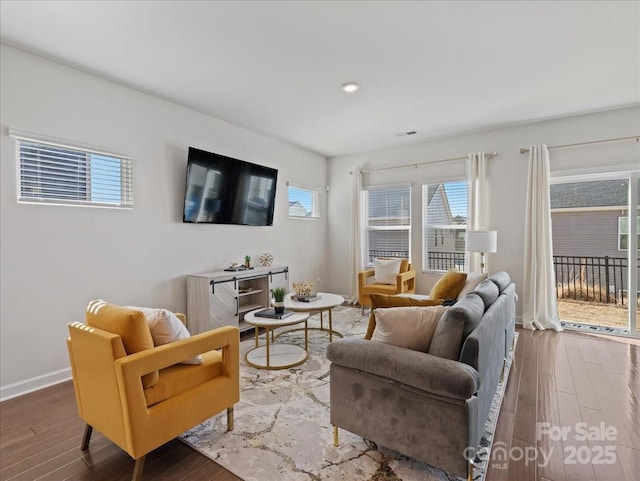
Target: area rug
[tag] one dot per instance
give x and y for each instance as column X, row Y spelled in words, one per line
column 282, row 430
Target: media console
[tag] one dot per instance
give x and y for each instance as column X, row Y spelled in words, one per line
column 221, row 298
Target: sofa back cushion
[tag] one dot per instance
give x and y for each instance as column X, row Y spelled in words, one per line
column 473, row 279
column 130, row 324
column 382, row 301
column 449, row 285
column 455, row 325
column 488, row 292
column 408, row 327
column 500, row 279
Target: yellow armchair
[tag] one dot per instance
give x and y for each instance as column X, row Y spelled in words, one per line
column 111, row 397
column 405, row 284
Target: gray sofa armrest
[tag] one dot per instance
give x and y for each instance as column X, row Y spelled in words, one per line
column 435, row 375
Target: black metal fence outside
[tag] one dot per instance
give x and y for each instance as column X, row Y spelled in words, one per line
column 398, row 254
column 437, row 261
column 597, row 279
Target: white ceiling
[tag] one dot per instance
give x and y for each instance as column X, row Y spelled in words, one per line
column 276, row 67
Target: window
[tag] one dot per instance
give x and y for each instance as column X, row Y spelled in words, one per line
column 444, row 224
column 623, row 233
column 387, row 212
column 303, row 203
column 59, row 174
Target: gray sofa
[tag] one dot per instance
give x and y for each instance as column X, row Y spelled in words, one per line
column 429, row 406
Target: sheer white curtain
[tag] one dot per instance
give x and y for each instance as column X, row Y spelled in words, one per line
column 478, row 203
column 540, row 308
column 357, row 245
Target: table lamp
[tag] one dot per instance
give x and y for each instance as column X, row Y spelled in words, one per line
column 482, row 241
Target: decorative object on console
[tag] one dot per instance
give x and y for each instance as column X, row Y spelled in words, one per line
column 266, row 259
column 482, row 241
column 247, row 261
column 279, row 294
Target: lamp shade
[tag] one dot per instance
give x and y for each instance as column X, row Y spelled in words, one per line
column 482, row 241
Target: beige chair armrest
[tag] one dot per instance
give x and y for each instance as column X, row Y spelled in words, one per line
column 182, row 317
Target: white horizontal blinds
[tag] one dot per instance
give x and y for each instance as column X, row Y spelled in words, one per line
column 303, row 202
column 388, row 221
column 52, row 173
column 444, row 225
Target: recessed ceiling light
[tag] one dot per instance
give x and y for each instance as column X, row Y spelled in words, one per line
column 350, row 87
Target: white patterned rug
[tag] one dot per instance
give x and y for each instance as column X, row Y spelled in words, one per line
column 282, row 430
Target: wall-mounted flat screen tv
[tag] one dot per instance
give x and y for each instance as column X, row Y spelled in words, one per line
column 224, row 190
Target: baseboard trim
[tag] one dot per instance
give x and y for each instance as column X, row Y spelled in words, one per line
column 34, row 384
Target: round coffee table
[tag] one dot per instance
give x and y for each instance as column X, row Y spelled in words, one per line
column 325, row 302
column 276, row 356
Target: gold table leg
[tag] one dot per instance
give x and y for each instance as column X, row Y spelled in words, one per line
column 330, row 325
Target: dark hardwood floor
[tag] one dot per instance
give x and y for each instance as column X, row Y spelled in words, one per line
column 556, row 378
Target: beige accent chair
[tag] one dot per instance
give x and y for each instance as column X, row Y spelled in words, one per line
column 405, row 284
column 140, row 396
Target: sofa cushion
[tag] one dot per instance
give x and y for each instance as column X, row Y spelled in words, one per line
column 130, row 324
column 449, row 285
column 408, row 327
column 455, row 325
column 381, row 301
column 501, row 279
column 386, row 270
column 473, row 279
column 488, row 292
column 179, row 378
column 165, row 327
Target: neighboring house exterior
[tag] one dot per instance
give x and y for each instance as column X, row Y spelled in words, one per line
column 586, row 217
column 297, row 209
column 446, row 231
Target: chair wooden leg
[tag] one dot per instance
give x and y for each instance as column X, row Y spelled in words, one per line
column 86, row 438
column 470, row 471
column 137, row 469
column 336, row 441
column 230, row 418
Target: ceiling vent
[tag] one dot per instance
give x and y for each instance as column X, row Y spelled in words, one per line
column 404, row 134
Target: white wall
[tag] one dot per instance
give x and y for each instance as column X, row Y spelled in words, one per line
column 507, row 177
column 56, row 259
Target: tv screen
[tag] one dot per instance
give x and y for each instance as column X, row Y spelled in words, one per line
column 224, row 190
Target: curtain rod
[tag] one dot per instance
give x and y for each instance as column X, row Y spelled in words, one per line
column 636, row 137
column 420, row 164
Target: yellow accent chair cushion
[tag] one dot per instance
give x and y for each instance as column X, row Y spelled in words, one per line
column 130, row 324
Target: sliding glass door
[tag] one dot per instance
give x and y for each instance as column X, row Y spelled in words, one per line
column 594, row 219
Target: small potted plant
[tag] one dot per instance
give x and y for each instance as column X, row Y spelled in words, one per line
column 278, row 299
column 247, row 261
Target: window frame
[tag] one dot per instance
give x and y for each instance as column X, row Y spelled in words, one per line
column 89, row 160
column 367, row 228
column 315, row 201
column 620, row 233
